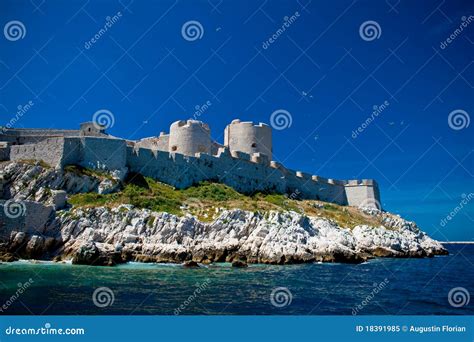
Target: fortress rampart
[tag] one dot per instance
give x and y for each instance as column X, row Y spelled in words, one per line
column 21, row 136
column 91, row 152
column 187, row 156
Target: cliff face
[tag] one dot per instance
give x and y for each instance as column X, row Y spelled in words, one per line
column 275, row 237
column 110, row 235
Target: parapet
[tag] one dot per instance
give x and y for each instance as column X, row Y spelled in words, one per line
column 319, row 179
column 223, row 152
column 303, row 175
column 369, row 182
column 276, row 165
column 249, row 123
column 280, row 167
column 259, row 158
column 160, row 143
column 336, row 182
column 190, row 123
column 358, row 182
column 240, row 155
column 92, row 129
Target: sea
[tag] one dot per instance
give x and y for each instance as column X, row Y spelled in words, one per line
column 442, row 285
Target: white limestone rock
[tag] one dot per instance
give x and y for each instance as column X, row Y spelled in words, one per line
column 33, row 182
column 59, row 199
column 119, row 174
column 278, row 237
column 108, row 186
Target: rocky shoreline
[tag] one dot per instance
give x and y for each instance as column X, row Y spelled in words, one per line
column 102, row 236
column 51, row 230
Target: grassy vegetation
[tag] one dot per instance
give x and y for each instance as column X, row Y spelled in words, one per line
column 206, row 200
column 140, row 192
column 82, row 171
column 35, row 162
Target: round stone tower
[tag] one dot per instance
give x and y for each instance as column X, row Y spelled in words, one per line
column 190, row 137
column 249, row 138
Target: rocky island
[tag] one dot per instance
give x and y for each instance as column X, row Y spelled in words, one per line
column 205, row 223
column 95, row 199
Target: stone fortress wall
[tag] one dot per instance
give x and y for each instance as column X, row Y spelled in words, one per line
column 90, row 152
column 187, row 156
column 20, row 136
column 160, row 143
column 243, row 172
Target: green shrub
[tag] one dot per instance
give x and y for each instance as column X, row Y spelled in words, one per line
column 146, row 193
column 212, row 191
column 83, row 171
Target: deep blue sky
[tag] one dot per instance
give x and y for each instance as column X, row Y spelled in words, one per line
column 320, row 70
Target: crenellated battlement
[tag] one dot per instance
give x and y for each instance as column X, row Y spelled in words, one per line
column 187, row 156
column 260, row 158
column 249, row 123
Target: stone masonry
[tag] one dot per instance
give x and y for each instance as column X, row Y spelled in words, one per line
column 187, row 156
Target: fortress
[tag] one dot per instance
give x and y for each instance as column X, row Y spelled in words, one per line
column 185, row 156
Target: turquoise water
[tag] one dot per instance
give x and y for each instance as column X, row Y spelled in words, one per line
column 410, row 286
